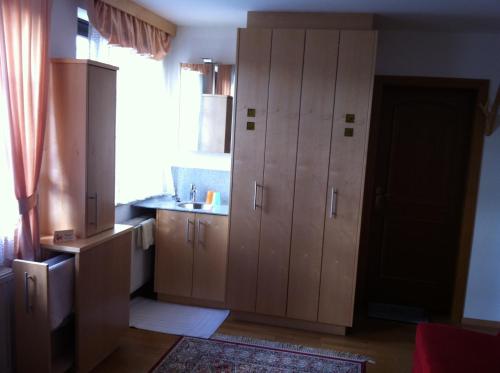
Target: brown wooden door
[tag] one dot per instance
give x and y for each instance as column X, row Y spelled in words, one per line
column 101, row 149
column 346, row 176
column 254, row 53
column 210, row 257
column 313, row 156
column 279, row 170
column 175, row 240
column 422, row 145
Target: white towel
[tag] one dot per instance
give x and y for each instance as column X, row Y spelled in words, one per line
column 147, row 228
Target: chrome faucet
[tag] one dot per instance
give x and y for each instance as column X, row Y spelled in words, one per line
column 192, row 193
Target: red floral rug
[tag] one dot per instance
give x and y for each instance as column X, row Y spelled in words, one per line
column 239, row 354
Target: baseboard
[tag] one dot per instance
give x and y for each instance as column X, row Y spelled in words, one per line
column 481, row 323
column 288, row 323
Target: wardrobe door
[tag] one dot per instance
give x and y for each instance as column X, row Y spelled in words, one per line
column 101, row 114
column 351, row 121
column 254, row 51
column 313, row 155
column 279, row 171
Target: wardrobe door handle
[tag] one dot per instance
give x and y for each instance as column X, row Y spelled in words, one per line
column 333, row 203
column 255, row 186
column 254, row 195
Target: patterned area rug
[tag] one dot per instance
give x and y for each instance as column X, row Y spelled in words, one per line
column 225, row 353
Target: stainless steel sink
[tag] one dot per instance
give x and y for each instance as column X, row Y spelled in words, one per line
column 194, row 205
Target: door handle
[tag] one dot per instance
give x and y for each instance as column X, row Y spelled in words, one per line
column 333, row 203
column 96, row 206
column 200, row 241
column 188, row 236
column 255, row 186
column 27, row 298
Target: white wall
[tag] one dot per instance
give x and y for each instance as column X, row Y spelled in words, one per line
column 190, row 45
column 464, row 56
column 63, row 29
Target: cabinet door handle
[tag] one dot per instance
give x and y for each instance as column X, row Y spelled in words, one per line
column 333, row 203
column 27, row 299
column 255, row 186
column 200, row 241
column 96, row 207
column 187, row 231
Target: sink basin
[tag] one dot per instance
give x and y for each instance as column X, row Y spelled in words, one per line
column 194, row 205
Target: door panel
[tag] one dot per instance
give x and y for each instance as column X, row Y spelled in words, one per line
column 101, row 149
column 210, row 257
column 254, row 53
column 313, row 156
column 423, row 142
column 279, row 170
column 346, row 176
column 175, row 237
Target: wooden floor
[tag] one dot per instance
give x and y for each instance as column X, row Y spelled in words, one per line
column 389, row 344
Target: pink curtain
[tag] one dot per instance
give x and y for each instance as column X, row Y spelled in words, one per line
column 122, row 29
column 24, row 39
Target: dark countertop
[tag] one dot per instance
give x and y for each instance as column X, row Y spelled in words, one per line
column 166, row 202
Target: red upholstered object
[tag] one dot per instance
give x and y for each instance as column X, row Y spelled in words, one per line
column 446, row 349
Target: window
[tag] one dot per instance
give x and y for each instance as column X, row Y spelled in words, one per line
column 141, row 129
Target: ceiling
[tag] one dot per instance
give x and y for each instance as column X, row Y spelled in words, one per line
column 446, row 15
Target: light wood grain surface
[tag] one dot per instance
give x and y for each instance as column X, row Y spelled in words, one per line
column 175, row 240
column 210, row 257
column 279, row 170
column 353, row 95
column 84, row 244
column 254, row 53
column 313, row 156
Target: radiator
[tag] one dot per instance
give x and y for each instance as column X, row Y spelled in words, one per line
column 6, row 319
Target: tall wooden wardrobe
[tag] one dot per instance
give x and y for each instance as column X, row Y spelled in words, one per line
column 300, row 141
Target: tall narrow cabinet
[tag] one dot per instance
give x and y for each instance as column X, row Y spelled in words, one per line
column 77, row 184
column 300, row 140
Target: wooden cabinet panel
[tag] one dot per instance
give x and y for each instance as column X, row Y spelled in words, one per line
column 210, row 257
column 254, row 51
column 175, row 237
column 279, row 170
column 346, row 176
column 33, row 325
column 77, row 180
column 102, row 299
column 313, row 156
column 101, row 149
column 62, row 186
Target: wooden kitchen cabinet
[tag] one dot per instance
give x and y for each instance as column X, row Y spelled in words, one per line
column 174, row 252
column 102, row 283
column 191, row 255
column 77, row 183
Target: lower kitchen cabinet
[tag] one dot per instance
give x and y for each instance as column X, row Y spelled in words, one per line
column 191, row 255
